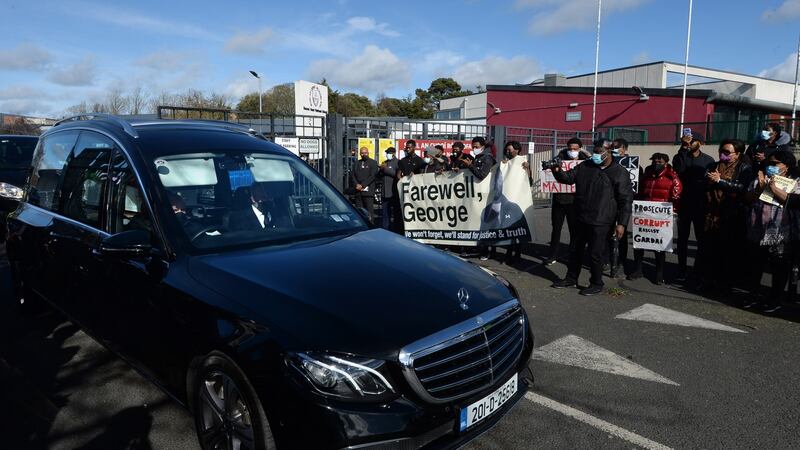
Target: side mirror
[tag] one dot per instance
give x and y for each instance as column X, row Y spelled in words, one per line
column 127, row 245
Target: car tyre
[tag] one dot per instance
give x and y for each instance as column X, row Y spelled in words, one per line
column 227, row 412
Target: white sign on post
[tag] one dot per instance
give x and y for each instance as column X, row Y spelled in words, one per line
column 289, row 143
column 652, row 225
column 309, row 145
column 310, row 107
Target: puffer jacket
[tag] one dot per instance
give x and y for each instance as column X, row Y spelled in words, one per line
column 664, row 186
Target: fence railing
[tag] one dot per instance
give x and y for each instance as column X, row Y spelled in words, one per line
column 711, row 131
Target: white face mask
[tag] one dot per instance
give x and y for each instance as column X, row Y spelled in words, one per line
column 573, row 154
column 477, row 151
column 427, row 160
column 389, row 156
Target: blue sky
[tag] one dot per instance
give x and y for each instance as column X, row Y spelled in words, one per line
column 59, row 53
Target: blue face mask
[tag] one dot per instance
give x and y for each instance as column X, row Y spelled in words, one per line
column 597, row 158
column 773, row 170
column 765, row 135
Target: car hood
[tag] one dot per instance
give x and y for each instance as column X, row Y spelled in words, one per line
column 13, row 176
column 369, row 293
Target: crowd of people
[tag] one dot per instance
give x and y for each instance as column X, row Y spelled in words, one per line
column 743, row 208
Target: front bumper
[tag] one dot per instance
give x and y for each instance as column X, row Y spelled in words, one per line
column 404, row 423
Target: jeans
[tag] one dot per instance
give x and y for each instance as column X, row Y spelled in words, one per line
column 596, row 237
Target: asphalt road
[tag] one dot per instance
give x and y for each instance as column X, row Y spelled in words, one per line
column 601, row 381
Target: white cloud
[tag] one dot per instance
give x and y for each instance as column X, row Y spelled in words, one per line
column 439, row 62
column 115, row 15
column 558, row 16
column 81, row 73
column 375, row 70
column 497, row 70
column 789, row 9
column 249, row 43
column 642, row 58
column 20, row 92
column 164, row 60
column 25, row 56
column 368, row 24
column 783, row 71
column 242, row 85
column 26, row 107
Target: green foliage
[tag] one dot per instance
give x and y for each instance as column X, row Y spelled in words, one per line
column 278, row 100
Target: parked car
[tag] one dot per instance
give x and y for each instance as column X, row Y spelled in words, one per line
column 231, row 274
column 15, row 162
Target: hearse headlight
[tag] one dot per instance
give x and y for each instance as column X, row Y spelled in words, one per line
column 10, row 191
column 344, row 376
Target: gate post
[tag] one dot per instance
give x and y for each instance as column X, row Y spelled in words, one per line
column 498, row 135
column 335, row 157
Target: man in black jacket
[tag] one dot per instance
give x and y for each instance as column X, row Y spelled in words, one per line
column 390, row 200
column 481, row 167
column 564, row 203
column 603, row 198
column 692, row 165
column 458, row 154
column 411, row 164
column 364, row 175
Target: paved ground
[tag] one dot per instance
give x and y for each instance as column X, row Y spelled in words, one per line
column 601, row 381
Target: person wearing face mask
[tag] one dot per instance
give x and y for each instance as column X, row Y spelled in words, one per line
column 435, row 161
column 772, row 232
column 691, row 165
column 364, row 176
column 458, row 154
column 563, row 204
column 603, row 204
column 769, row 140
column 390, row 200
column 480, row 167
column 620, row 151
column 727, row 183
column 658, row 184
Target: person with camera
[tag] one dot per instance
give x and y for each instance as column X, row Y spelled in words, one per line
column 456, row 157
column 563, row 204
column 691, row 164
column 435, row 161
column 603, row 204
column 769, row 140
column 659, row 183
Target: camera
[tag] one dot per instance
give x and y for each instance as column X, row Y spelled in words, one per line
column 550, row 165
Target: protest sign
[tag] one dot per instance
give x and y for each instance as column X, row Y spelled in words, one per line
column 652, row 225
column 422, row 144
column 631, row 164
column 783, row 183
column 549, row 184
column 455, row 208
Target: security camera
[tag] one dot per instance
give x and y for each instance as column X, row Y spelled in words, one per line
column 494, row 108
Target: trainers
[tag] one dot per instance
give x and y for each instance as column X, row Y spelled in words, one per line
column 772, row 308
column 592, row 289
column 484, row 257
column 549, row 261
column 564, row 283
column 635, row 275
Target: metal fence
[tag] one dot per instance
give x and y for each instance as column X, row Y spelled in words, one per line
column 711, row 131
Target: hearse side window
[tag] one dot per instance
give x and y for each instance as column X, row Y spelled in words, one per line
column 49, row 161
column 128, row 209
column 85, row 179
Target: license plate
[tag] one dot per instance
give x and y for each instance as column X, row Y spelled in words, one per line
column 484, row 407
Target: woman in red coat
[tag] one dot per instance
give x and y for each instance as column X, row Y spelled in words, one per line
column 660, row 183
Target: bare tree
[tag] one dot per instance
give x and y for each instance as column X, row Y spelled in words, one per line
column 137, row 100
column 80, row 108
column 20, row 126
column 116, row 102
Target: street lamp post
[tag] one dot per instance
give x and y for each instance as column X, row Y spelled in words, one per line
column 260, row 108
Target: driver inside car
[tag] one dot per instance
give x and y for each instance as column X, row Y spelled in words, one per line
column 192, row 227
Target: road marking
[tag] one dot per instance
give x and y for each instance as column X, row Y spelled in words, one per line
column 574, row 351
column 600, row 424
column 658, row 314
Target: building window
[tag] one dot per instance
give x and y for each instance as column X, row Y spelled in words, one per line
column 573, row 116
column 448, row 114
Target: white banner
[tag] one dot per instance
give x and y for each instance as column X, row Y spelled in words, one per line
column 455, row 208
column 652, row 225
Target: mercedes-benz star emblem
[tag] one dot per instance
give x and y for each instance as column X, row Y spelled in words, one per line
column 463, row 298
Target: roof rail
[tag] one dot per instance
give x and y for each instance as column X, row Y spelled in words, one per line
column 124, row 124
